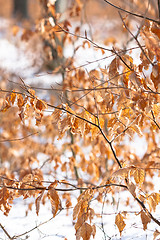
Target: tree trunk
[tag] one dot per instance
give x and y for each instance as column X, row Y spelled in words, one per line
column 20, row 8
column 61, row 5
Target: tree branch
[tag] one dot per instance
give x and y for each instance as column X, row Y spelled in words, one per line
column 134, row 14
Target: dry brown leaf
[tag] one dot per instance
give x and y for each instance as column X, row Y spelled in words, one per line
column 37, row 201
column 145, row 219
column 93, row 230
column 119, row 221
column 20, row 101
column 132, row 188
column 122, row 173
column 156, row 109
column 5, row 106
column 76, row 210
column 41, row 105
column 113, row 68
column 155, row 234
column 86, row 231
column 56, row 115
column 153, row 200
column 136, row 129
column 54, row 199
column 4, row 198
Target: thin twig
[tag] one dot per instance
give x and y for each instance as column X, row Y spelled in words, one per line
column 154, row 120
column 19, row 139
column 5, row 231
column 136, row 40
column 22, row 234
column 134, row 14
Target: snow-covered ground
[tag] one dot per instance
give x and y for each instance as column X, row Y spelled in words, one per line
column 61, row 226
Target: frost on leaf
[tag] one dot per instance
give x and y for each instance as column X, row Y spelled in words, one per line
column 119, row 221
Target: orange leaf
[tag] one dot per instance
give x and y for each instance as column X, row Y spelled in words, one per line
column 120, row 222
column 156, row 234
column 20, row 101
column 122, row 173
column 15, row 30
column 139, row 176
column 5, row 106
column 113, row 68
column 145, row 219
column 86, row 231
column 55, row 201
column 12, row 97
column 41, row 105
column 132, row 188
column 76, row 210
column 56, row 115
column 37, row 202
column 93, row 230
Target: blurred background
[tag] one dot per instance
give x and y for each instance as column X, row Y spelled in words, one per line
column 32, row 9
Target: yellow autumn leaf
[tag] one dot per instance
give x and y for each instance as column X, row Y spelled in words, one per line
column 156, row 109
column 153, row 200
column 139, row 175
column 156, row 197
column 31, row 91
column 136, row 129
